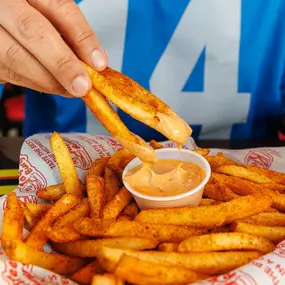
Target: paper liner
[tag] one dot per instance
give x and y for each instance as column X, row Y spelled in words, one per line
column 38, row 169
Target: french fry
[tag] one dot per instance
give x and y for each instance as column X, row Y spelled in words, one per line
column 124, row 217
column 208, row 216
column 168, row 247
column 207, row 202
column 64, row 234
column 38, row 210
column 66, row 166
column 220, row 160
column 219, row 192
column 210, row 263
column 119, row 161
column 105, row 114
column 79, row 211
column 145, row 273
column 106, row 279
column 30, row 219
column 62, row 230
column 243, row 187
column 155, row 145
column 37, row 238
column 202, row 151
column 114, row 207
column 84, row 275
column 97, row 168
column 91, row 248
column 139, row 103
column 272, row 219
column 52, row 192
column 54, row 262
column 112, row 184
column 95, row 192
column 131, row 210
column 163, row 233
column 224, row 242
column 274, row 234
column 242, row 172
column 13, row 222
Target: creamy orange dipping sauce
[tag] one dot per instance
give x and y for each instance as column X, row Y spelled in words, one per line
column 165, row 178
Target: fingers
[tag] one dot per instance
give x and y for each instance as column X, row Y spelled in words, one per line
column 67, row 18
column 39, row 37
column 19, row 65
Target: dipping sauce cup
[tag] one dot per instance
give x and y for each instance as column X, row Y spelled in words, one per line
column 191, row 198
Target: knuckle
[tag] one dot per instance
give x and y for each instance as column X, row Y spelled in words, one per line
column 64, row 64
column 12, row 75
column 84, row 36
column 16, row 55
column 30, row 26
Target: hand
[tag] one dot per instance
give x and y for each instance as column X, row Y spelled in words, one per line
column 34, row 54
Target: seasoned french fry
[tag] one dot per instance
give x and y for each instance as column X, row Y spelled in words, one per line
column 119, row 161
column 207, row 202
column 242, row 172
column 13, row 222
column 79, row 211
column 131, row 210
column 155, row 145
column 124, row 217
column 95, row 193
column 164, row 233
column 66, row 166
column 139, row 103
column 52, row 192
column 64, row 234
column 202, row 151
column 37, row 238
column 97, row 168
column 226, row 241
column 208, row 216
column 112, row 184
column 30, row 219
column 274, row 234
column 210, row 263
column 84, row 275
column 105, row 114
column 219, row 192
column 272, row 219
column 91, row 248
column 38, row 210
column 168, row 247
column 114, row 207
column 106, row 279
column 220, row 160
column 54, row 262
column 145, row 273
column 244, row 187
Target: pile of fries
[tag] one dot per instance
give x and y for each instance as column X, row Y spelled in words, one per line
column 99, row 236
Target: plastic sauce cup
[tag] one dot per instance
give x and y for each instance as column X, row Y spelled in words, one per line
column 191, row 198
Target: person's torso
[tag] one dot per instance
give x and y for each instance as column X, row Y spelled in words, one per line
column 219, row 64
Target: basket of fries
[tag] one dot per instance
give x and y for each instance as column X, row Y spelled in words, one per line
column 71, row 221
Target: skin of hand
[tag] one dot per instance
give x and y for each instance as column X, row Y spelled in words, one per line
column 41, row 44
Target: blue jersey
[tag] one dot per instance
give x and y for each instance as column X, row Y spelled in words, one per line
column 218, row 63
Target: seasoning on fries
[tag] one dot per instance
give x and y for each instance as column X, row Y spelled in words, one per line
column 102, row 237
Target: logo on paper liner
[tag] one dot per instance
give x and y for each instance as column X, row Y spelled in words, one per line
column 30, row 178
column 261, row 157
column 79, row 154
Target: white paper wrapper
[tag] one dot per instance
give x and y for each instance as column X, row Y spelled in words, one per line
column 38, row 169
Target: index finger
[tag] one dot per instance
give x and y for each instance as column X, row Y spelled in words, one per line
column 33, row 31
column 68, row 19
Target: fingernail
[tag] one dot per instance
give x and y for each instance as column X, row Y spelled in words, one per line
column 80, row 85
column 98, row 59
